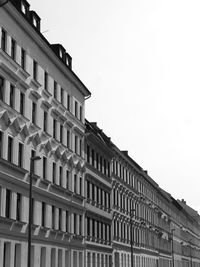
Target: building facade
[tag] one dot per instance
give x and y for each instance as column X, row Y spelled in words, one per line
column 42, row 105
column 93, row 205
column 98, row 218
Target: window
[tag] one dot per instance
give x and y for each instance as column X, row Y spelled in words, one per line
column 105, row 166
column 10, row 148
column 54, row 172
column 68, row 102
column 43, row 257
column 61, row 133
column 81, row 113
column 46, row 81
column 97, row 161
column 34, row 112
column 1, row 88
column 1, row 144
column 20, row 155
column 55, row 90
column 80, row 147
column 53, row 217
column 18, row 211
column 67, row 218
column 3, row 40
column 12, row 96
column 76, row 144
column 13, row 49
column 101, row 163
column 108, row 169
column 60, row 219
column 80, row 225
column 80, row 186
column 33, row 154
column 17, row 258
column 88, row 226
column 67, row 179
column 68, row 138
column 88, row 154
column 92, row 157
column 61, row 175
column 22, row 103
column 88, row 189
column 76, row 109
column 75, row 222
column 35, row 70
column 75, row 181
column 24, row 8
column 54, row 128
column 8, row 203
column 45, row 122
column 44, row 167
column 43, row 215
column 62, row 96
column 6, row 254
column 23, row 59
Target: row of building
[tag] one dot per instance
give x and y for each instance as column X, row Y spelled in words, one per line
column 93, row 205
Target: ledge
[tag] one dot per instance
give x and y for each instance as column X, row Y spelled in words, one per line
column 23, row 73
column 35, row 84
column 46, row 94
column 58, row 188
column 79, row 197
column 44, row 183
column 59, row 235
column 77, row 237
column 54, row 102
column 11, row 169
column 43, row 231
column 18, row 225
column 6, row 223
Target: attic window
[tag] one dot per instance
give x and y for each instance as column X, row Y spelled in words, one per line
column 61, row 53
column 24, row 8
column 35, row 21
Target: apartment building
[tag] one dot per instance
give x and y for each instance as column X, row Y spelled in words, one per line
column 42, row 104
column 98, row 217
column 93, row 205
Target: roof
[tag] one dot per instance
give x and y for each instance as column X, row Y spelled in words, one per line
column 193, row 213
column 27, row 17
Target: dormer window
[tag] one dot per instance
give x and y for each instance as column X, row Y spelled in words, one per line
column 61, row 53
column 24, row 7
column 68, row 60
column 35, row 19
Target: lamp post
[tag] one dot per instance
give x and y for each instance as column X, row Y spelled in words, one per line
column 132, row 238
column 3, row 2
column 32, row 159
column 172, row 237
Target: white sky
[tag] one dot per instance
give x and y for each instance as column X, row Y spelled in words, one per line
column 141, row 61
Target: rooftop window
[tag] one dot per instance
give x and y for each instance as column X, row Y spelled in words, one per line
column 24, row 7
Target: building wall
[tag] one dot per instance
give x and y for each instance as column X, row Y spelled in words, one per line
column 41, row 113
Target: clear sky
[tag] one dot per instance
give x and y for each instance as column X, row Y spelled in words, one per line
column 141, row 61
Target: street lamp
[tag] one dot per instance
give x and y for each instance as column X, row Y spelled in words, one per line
column 3, row 2
column 32, row 159
column 172, row 238
column 132, row 238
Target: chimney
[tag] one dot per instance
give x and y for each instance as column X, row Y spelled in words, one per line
column 183, row 201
